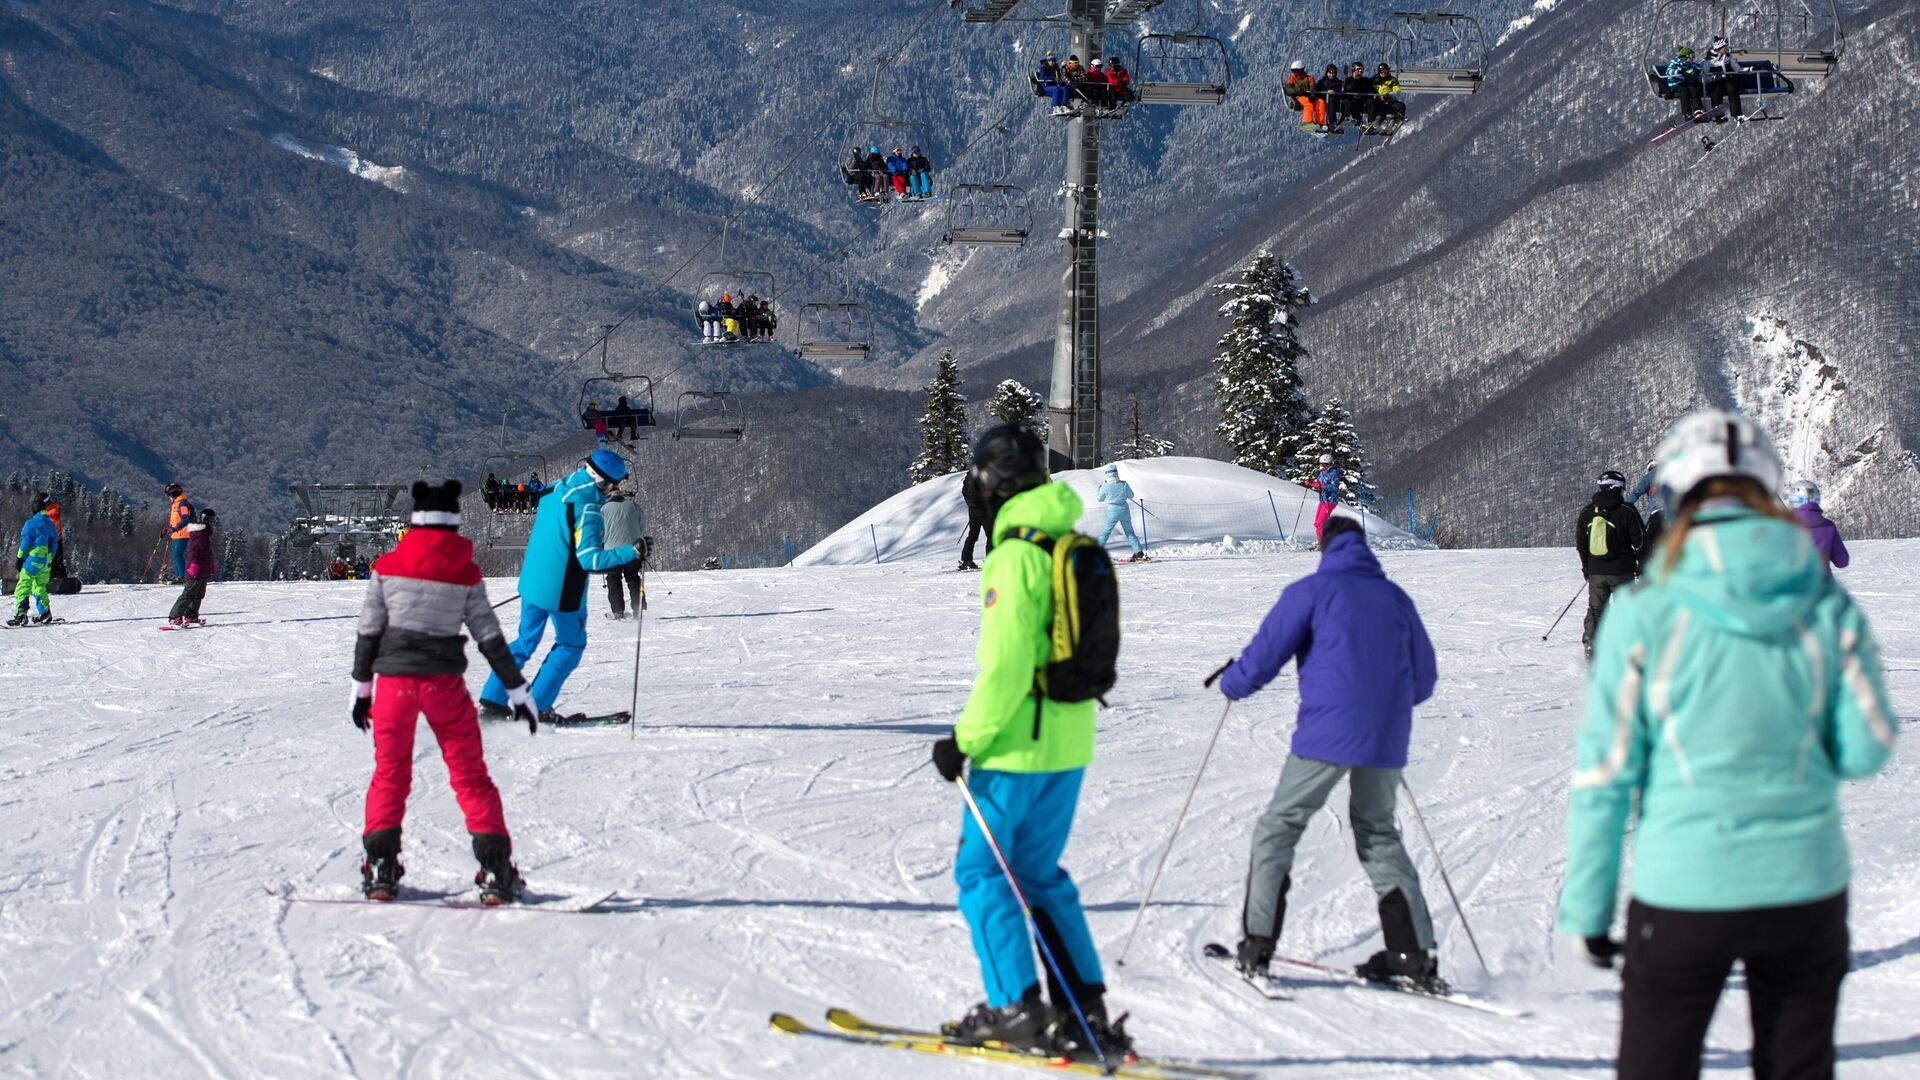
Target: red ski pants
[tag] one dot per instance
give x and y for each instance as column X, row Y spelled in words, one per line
column 1320, row 517
column 398, row 701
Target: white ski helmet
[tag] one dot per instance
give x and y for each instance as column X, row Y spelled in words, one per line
column 1802, row 492
column 1326, row 459
column 1712, row 443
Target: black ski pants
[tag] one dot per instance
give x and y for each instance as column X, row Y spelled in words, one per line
column 974, row 528
column 1689, row 97
column 188, row 606
column 1678, row 961
column 1725, row 91
column 1600, row 589
column 628, row 575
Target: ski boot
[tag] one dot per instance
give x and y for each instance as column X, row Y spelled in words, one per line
column 1022, row 1025
column 1417, row 969
column 380, row 872
column 500, row 882
column 1253, row 956
column 493, row 710
column 1138, row 556
column 967, row 564
column 43, row 618
column 1069, row 1040
column 19, row 616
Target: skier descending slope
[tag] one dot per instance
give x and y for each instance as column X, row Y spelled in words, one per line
column 419, row 596
column 564, row 546
column 1731, row 693
column 1804, row 497
column 1365, row 662
column 1029, row 752
column 1118, row 495
column 1608, row 536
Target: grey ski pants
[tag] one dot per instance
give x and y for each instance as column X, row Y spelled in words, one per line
column 1600, row 589
column 1302, row 791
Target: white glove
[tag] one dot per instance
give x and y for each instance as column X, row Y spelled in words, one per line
column 520, row 700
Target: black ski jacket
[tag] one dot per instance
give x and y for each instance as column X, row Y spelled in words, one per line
column 1623, row 555
column 970, row 492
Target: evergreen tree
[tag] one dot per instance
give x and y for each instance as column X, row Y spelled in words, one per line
column 1332, row 433
column 943, row 427
column 1013, row 403
column 1138, row 444
column 233, row 557
column 1264, row 413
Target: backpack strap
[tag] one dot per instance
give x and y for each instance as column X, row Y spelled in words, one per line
column 1045, row 543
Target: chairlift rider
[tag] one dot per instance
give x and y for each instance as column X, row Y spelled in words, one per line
column 1305, row 98
column 896, row 162
column 919, row 175
column 1051, row 84
column 1357, row 93
column 1331, row 96
column 1724, row 76
column 1119, row 82
column 1383, row 104
column 1683, row 78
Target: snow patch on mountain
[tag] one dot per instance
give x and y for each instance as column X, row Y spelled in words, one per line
column 939, row 276
column 1794, row 388
column 1540, row 7
column 393, row 176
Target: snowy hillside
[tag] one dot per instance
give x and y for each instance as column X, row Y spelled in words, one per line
column 779, row 841
column 1191, row 506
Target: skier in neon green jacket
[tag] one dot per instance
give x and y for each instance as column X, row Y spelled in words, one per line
column 1029, row 754
column 1730, row 694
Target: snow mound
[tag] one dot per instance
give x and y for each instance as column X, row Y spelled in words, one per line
column 1192, row 506
column 393, row 176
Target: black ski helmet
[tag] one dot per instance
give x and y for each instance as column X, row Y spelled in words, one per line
column 1008, row 460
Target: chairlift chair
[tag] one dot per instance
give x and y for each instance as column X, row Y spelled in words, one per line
column 988, row 215
column 1774, row 42
column 606, row 390
column 1182, row 68
column 708, row 414
column 834, row 331
column 1439, row 52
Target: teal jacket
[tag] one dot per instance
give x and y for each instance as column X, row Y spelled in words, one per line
column 999, row 728
column 1729, row 697
column 566, row 544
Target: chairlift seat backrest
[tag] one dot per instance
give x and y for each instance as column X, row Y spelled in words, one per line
column 1807, row 63
column 987, row 237
column 1175, row 93
column 1438, row 80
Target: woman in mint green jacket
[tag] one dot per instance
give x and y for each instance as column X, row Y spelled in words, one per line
column 1731, row 692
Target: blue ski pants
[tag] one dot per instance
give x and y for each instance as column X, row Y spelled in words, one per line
column 569, row 644
column 920, row 183
column 178, row 549
column 1030, row 815
column 1120, row 514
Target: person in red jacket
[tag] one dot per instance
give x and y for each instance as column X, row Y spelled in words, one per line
column 419, row 596
column 1099, row 88
column 1120, row 80
column 200, row 569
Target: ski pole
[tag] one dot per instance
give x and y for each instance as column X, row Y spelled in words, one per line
column 1168, row 850
column 1143, row 508
column 1297, row 514
column 639, row 635
column 1563, row 612
column 1442, row 867
column 1033, row 925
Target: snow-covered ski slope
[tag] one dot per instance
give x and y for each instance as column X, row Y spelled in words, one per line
column 1192, row 506
column 778, row 840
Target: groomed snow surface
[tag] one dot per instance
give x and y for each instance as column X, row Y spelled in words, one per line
column 778, row 840
column 1185, row 506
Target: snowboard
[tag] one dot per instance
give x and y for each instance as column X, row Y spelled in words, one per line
column 33, row 625
column 195, row 625
column 560, row 903
column 1680, row 124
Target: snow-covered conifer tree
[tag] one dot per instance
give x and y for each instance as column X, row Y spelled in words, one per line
column 1332, row 433
column 1013, row 403
column 943, row 427
column 1264, row 411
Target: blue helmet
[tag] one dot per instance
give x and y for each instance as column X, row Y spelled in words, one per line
column 607, row 466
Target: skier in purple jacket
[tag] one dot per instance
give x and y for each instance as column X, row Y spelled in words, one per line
column 1365, row 661
column 1804, row 497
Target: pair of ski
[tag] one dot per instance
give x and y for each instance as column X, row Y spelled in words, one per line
column 573, row 903
column 843, row 1026
column 1275, row 988
column 572, row 720
column 1682, row 123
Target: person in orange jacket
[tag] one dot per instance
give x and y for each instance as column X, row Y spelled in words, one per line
column 179, row 516
column 1300, row 90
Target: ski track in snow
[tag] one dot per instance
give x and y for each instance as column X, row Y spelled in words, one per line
column 779, row 840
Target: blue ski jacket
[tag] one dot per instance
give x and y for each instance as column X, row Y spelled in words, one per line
column 1329, row 481
column 1365, row 659
column 38, row 542
column 565, row 545
column 1116, row 494
column 1682, row 71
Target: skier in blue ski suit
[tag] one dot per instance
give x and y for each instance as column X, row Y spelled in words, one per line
column 562, row 549
column 1117, row 494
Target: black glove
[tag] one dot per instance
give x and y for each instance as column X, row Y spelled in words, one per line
column 19, row 565
column 1217, row 672
column 1601, row 950
column 362, row 704
column 948, row 759
column 520, row 700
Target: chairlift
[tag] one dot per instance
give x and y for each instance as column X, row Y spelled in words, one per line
column 737, row 283
column 1439, row 52
column 1184, row 68
column 834, row 331
column 988, row 215
column 343, row 511
column 606, row 392
column 886, row 131
column 1773, row 42
column 708, row 414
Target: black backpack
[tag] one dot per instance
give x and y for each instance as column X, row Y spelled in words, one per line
column 1086, row 621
